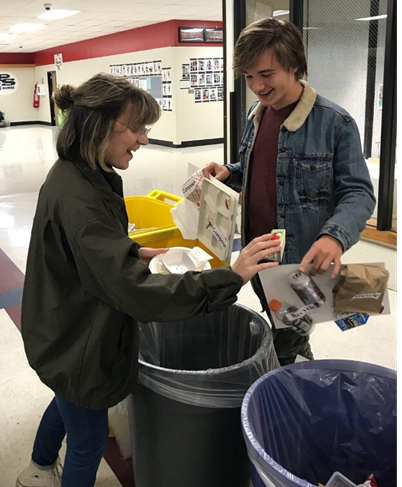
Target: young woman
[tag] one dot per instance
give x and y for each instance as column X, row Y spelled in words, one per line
column 87, row 283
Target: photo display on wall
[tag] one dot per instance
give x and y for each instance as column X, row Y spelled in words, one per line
column 147, row 75
column 206, row 77
column 167, row 98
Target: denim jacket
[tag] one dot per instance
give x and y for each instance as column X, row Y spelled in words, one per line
column 323, row 184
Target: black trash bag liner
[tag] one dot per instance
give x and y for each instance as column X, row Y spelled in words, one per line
column 209, row 360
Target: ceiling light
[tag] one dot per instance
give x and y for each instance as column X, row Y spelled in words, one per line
column 377, row 17
column 57, row 14
column 311, row 28
column 280, row 12
column 19, row 28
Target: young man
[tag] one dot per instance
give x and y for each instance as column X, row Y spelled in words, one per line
column 301, row 165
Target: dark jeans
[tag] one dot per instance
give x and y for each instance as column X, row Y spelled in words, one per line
column 287, row 343
column 87, row 433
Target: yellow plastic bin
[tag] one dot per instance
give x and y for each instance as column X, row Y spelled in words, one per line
column 154, row 225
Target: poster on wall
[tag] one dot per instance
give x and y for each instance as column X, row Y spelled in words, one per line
column 213, row 35
column 167, row 104
column 197, row 95
column 194, row 80
column 8, row 83
column 193, row 65
column 191, row 34
column 146, row 75
column 167, row 90
column 58, row 61
column 185, row 71
column 166, row 74
column 206, row 77
column 148, row 68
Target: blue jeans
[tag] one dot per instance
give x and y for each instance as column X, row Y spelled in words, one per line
column 87, row 433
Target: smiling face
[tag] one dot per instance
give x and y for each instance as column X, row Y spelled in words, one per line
column 124, row 141
column 273, row 85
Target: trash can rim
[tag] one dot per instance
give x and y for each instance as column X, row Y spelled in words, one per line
column 267, row 337
column 341, row 364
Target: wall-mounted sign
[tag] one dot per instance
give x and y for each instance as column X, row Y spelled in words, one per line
column 213, row 35
column 8, row 83
column 58, row 61
column 41, row 89
column 198, row 34
column 191, row 34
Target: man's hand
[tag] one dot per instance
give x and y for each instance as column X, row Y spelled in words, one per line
column 216, row 170
column 322, row 253
column 147, row 254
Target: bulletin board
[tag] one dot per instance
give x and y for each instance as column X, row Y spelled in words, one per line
column 147, row 75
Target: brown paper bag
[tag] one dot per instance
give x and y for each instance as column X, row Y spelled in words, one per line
column 361, row 288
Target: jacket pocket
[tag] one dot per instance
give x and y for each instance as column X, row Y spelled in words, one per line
column 313, row 175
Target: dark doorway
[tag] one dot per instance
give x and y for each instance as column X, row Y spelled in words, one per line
column 52, row 84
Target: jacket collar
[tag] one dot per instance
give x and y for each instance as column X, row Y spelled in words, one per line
column 107, row 182
column 299, row 114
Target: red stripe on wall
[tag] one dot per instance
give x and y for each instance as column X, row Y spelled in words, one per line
column 153, row 36
column 17, row 57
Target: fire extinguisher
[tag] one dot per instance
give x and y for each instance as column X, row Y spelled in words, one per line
column 36, row 97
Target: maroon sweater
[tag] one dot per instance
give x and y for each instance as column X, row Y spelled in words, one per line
column 262, row 210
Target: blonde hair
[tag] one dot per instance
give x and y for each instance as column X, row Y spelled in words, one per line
column 91, row 110
column 283, row 38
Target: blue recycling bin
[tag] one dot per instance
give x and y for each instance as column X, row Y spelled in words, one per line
column 307, row 420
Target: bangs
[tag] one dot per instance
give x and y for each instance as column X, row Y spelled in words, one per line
column 144, row 109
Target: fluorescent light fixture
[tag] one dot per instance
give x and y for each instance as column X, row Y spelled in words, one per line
column 57, row 14
column 377, row 17
column 19, row 28
column 311, row 28
column 280, row 12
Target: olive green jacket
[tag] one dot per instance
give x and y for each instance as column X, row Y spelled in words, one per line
column 85, row 289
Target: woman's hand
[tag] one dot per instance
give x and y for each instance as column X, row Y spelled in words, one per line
column 247, row 264
column 147, row 254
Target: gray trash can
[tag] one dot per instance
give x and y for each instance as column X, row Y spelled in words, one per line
column 185, row 419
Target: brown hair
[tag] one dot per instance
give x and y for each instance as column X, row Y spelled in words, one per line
column 91, row 110
column 284, row 38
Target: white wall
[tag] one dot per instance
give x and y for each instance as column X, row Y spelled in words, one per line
column 18, row 106
column 187, row 121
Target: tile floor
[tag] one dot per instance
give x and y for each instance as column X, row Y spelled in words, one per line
column 26, row 154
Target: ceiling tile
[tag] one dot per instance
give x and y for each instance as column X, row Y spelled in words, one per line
column 97, row 17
